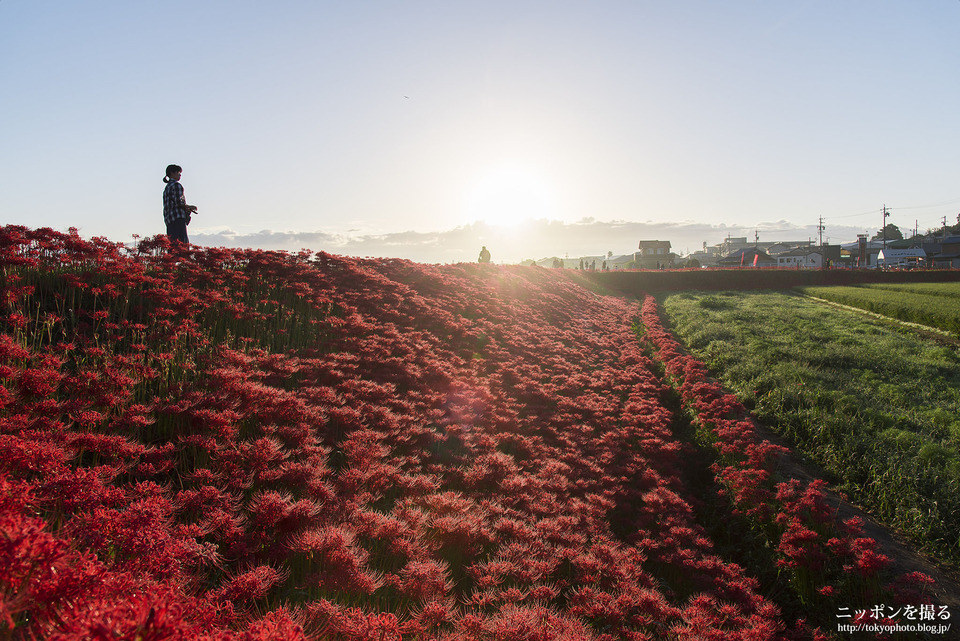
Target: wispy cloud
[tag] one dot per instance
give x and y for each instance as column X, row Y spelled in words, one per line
column 530, row 240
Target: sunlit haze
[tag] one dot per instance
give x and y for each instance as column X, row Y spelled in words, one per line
column 511, row 194
column 426, row 129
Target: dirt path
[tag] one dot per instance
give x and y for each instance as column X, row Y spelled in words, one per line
column 902, row 553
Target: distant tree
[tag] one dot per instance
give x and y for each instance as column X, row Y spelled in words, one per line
column 692, row 263
column 891, row 232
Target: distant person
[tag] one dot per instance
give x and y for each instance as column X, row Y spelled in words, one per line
column 176, row 211
column 484, row 255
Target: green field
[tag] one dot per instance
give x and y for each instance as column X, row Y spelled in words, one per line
column 875, row 405
column 936, row 305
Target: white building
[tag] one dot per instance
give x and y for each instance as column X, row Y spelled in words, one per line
column 800, row 258
column 914, row 257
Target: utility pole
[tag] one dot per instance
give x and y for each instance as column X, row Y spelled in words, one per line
column 883, row 230
column 820, row 230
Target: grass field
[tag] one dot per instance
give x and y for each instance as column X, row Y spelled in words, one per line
column 936, row 305
column 876, row 406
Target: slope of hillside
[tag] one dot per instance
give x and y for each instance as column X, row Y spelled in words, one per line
column 253, row 445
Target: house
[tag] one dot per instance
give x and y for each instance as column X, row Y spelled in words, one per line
column 706, row 256
column 623, row 261
column 800, row 258
column 748, row 257
column 914, row 257
column 943, row 252
column 705, row 259
column 731, row 245
column 948, row 257
column 779, row 248
column 654, row 254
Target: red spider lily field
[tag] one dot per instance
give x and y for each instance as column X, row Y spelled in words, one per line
column 232, row 444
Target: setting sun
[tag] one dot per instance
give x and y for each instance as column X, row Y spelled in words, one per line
column 510, row 194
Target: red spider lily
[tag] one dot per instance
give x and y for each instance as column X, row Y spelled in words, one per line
column 423, row 581
column 36, row 569
column 704, row 618
column 431, row 620
column 278, row 625
column 801, row 548
column 11, row 352
column 332, row 561
column 249, row 586
column 81, row 490
column 371, row 441
column 30, row 455
column 531, row 624
column 327, row 620
column 913, row 588
column 40, row 381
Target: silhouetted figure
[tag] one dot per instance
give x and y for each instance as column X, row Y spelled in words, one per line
column 484, row 255
column 176, row 211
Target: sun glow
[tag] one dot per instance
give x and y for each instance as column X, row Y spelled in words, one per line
column 509, row 195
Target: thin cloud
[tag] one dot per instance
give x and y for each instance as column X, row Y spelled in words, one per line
column 531, row 240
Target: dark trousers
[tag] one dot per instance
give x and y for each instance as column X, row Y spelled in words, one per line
column 177, row 231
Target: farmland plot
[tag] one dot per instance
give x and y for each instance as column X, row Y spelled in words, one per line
column 936, row 305
column 875, row 405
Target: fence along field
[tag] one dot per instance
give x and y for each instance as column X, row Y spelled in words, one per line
column 936, row 305
column 226, row 444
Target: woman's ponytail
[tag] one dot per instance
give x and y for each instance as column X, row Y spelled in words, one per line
column 171, row 169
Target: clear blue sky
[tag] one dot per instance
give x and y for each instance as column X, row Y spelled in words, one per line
column 365, row 120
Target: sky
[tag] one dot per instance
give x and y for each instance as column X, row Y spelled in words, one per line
column 424, row 130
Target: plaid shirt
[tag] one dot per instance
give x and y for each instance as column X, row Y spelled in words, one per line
column 174, row 203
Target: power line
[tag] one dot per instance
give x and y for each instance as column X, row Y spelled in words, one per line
column 863, row 213
column 944, row 204
column 874, row 211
